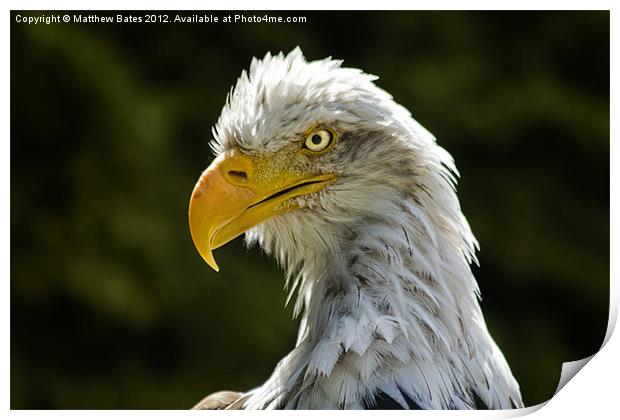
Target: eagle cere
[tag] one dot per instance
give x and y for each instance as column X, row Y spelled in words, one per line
column 356, row 201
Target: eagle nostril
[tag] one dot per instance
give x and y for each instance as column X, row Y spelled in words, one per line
column 239, row 177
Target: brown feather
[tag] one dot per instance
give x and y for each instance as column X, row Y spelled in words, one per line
column 222, row 400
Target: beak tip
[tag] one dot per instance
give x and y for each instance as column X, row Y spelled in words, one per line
column 211, row 261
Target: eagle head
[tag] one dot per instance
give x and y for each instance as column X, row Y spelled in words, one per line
column 307, row 154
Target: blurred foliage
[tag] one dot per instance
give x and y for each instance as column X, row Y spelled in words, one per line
column 111, row 307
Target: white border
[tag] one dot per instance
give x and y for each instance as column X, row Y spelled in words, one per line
column 594, row 391
column 312, row 5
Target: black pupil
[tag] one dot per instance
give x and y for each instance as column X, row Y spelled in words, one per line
column 316, row 139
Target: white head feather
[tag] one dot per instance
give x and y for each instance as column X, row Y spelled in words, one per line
column 380, row 260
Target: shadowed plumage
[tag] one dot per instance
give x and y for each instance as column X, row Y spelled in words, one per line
column 356, row 201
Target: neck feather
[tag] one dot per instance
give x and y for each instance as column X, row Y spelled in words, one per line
column 393, row 310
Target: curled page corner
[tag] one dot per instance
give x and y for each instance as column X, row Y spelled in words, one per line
column 569, row 370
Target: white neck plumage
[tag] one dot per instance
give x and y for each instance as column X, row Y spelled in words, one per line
column 393, row 318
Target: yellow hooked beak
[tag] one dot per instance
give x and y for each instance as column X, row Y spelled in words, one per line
column 233, row 195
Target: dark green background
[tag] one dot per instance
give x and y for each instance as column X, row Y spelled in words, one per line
column 111, row 306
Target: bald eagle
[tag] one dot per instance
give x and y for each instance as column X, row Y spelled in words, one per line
column 357, row 202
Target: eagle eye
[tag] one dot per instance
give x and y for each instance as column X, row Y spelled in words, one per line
column 319, row 140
